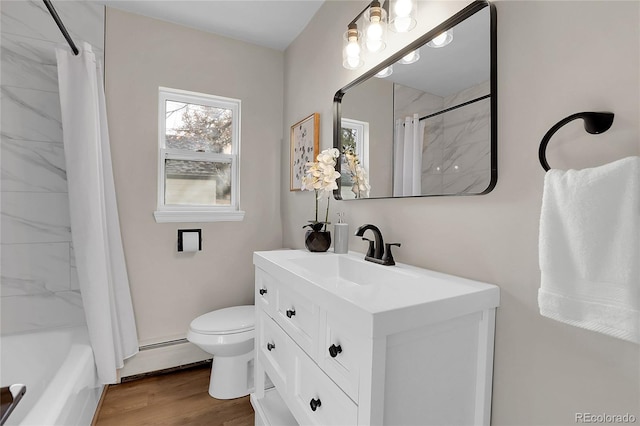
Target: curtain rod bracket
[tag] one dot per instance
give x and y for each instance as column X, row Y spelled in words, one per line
column 63, row 29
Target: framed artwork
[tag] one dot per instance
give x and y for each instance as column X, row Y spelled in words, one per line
column 304, row 147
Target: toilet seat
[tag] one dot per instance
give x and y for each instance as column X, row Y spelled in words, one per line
column 228, row 335
column 236, row 319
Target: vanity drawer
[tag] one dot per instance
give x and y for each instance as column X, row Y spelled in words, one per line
column 265, row 292
column 341, row 353
column 298, row 316
column 274, row 350
column 316, row 399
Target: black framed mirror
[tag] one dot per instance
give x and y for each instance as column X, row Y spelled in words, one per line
column 430, row 127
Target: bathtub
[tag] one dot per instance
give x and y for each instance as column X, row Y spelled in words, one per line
column 58, row 369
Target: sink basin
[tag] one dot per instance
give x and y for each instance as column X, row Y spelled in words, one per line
column 350, row 270
column 374, row 288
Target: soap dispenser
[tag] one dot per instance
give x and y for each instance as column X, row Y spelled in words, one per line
column 341, row 231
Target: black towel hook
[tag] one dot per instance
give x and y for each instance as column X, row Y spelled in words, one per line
column 594, row 123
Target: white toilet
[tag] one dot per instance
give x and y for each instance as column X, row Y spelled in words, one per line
column 228, row 335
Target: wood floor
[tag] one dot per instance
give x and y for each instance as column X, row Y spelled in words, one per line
column 179, row 398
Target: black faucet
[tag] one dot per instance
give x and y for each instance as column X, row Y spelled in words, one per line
column 378, row 251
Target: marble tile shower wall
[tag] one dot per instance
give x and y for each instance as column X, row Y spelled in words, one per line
column 39, row 287
column 455, row 155
column 467, row 152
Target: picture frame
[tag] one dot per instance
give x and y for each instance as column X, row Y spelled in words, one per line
column 305, row 142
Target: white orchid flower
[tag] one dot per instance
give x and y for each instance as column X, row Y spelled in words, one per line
column 358, row 174
column 321, row 176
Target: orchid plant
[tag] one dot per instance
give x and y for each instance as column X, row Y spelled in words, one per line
column 358, row 174
column 320, row 176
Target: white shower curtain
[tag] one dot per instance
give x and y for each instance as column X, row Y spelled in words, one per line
column 95, row 227
column 407, row 167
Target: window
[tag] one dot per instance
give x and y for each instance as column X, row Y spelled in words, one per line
column 198, row 166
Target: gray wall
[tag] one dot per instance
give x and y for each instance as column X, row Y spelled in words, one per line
column 39, row 282
column 545, row 371
column 170, row 289
column 363, row 103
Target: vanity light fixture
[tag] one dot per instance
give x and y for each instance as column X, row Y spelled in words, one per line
column 411, row 57
column 386, row 72
column 441, row 40
column 375, row 21
column 403, row 16
column 352, row 48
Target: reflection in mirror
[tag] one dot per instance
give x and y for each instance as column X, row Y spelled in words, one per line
column 423, row 123
column 355, row 159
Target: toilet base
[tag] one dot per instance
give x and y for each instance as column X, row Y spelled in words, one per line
column 231, row 377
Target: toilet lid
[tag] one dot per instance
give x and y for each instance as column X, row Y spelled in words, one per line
column 225, row 321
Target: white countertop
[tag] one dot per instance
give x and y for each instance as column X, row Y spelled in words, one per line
column 377, row 293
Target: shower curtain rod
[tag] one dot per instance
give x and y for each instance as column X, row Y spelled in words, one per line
column 455, row 107
column 64, row 31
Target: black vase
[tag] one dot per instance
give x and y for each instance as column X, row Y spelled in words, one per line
column 317, row 241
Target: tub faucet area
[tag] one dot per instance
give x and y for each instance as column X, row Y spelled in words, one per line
column 378, row 251
column 11, row 395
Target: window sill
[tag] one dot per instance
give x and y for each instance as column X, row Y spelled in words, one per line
column 197, row 216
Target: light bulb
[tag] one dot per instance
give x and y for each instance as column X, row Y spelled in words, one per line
column 374, row 45
column 386, row 72
column 403, row 8
column 402, row 24
column 440, row 39
column 375, row 19
column 353, row 48
column 374, row 31
column 404, row 12
column 351, row 51
column 374, row 37
column 410, row 57
column 353, row 61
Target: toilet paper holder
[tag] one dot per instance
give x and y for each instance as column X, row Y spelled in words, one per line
column 180, row 238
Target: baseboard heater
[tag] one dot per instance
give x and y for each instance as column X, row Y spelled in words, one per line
column 162, row 356
column 162, row 344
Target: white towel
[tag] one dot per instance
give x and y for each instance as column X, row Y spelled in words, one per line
column 590, row 248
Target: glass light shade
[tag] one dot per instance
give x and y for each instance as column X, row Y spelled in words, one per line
column 352, row 48
column 411, row 57
column 385, row 72
column 403, row 15
column 441, row 40
column 375, row 27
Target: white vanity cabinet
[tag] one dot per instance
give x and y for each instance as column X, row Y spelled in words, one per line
column 349, row 342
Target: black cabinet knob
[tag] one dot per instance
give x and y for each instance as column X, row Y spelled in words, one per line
column 315, row 403
column 262, row 291
column 270, row 346
column 335, row 350
column 290, row 313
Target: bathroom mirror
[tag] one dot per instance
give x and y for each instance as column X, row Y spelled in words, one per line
column 428, row 128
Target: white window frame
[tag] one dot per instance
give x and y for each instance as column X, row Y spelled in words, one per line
column 362, row 140
column 362, row 148
column 194, row 213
